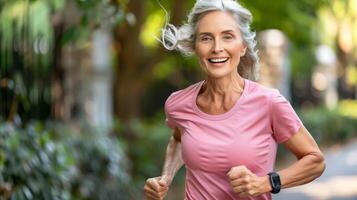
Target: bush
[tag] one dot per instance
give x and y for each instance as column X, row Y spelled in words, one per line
column 145, row 143
column 52, row 162
column 328, row 127
column 331, row 126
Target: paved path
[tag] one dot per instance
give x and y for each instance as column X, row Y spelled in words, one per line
column 339, row 181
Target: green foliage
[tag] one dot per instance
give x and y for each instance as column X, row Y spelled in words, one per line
column 31, row 33
column 29, row 158
column 151, row 29
column 329, row 126
column 298, row 20
column 348, row 108
column 30, row 36
column 302, row 68
column 93, row 14
column 52, row 162
column 146, row 146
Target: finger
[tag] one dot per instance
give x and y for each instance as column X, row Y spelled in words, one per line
column 239, row 182
column 152, row 192
column 238, row 168
column 247, row 171
column 239, row 189
column 163, row 181
column 237, row 172
column 245, row 191
column 149, row 197
column 160, row 189
column 154, row 196
column 234, row 174
column 238, row 175
column 243, row 169
column 153, row 183
column 163, row 194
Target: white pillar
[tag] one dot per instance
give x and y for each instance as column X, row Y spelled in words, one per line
column 99, row 106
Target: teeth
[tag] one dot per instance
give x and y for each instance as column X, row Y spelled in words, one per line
column 218, row 60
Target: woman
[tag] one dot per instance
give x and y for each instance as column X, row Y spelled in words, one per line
column 226, row 128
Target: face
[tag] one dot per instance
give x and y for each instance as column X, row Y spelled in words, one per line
column 219, row 44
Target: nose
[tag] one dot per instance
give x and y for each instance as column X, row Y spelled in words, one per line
column 217, row 46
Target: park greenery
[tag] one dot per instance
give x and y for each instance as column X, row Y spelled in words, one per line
column 48, row 150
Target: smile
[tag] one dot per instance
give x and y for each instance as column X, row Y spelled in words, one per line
column 217, row 60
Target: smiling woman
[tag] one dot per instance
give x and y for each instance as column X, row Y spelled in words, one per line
column 226, row 128
column 219, row 44
column 184, row 38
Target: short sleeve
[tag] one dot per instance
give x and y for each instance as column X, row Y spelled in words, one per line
column 170, row 122
column 284, row 120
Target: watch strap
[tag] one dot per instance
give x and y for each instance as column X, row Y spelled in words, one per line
column 275, row 183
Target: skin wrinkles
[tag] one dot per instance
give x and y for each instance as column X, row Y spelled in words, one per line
column 218, row 36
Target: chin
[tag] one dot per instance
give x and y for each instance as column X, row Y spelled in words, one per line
column 219, row 74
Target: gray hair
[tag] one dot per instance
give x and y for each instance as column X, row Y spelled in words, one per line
column 183, row 38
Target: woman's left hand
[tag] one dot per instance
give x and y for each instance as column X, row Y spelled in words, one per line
column 246, row 184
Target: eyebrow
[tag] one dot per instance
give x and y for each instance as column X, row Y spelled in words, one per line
column 208, row 33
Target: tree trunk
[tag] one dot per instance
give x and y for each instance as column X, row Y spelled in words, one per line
column 58, row 71
column 134, row 70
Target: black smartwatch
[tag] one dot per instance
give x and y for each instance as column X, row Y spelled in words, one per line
column 274, row 179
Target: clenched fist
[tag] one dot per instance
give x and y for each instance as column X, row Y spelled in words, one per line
column 247, row 184
column 156, row 188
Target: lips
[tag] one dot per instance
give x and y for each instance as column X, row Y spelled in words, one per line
column 218, row 60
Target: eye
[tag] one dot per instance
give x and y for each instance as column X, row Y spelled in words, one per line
column 228, row 37
column 205, row 39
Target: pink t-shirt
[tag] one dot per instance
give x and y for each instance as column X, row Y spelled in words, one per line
column 247, row 134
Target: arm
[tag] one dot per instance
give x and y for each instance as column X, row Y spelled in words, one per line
column 309, row 166
column 173, row 158
column 310, row 163
column 157, row 187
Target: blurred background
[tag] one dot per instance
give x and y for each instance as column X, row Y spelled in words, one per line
column 83, row 85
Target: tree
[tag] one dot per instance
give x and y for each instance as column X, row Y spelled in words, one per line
column 42, row 44
column 136, row 61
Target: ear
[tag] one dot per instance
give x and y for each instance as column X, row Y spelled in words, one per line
column 244, row 50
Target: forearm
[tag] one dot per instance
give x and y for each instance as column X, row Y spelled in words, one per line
column 303, row 171
column 173, row 159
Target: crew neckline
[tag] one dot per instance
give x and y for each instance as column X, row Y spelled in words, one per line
column 222, row 116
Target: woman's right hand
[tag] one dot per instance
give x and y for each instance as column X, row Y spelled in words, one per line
column 156, row 188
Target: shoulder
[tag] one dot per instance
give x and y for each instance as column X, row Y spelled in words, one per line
column 181, row 97
column 258, row 91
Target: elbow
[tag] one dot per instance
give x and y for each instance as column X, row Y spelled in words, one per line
column 319, row 164
column 322, row 167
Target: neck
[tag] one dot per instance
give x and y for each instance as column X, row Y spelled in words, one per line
column 223, row 87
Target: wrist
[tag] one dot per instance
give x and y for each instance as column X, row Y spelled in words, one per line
column 266, row 186
column 168, row 177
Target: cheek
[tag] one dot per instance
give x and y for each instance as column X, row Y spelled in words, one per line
column 236, row 48
column 201, row 52
column 236, row 53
